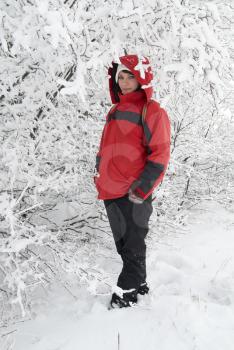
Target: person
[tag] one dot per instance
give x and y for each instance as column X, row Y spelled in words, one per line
column 131, row 162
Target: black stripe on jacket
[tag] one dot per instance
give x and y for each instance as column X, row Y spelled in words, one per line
column 131, row 117
column 150, row 174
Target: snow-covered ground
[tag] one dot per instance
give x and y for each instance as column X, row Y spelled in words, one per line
column 190, row 306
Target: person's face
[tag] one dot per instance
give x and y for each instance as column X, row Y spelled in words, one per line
column 127, row 82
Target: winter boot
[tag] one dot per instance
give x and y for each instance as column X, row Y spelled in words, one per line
column 143, row 289
column 128, row 299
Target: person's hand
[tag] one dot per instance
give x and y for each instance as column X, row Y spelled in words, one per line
column 134, row 198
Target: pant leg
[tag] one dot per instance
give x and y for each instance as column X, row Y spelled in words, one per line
column 129, row 224
column 117, row 220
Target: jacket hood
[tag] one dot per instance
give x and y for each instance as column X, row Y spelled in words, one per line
column 139, row 67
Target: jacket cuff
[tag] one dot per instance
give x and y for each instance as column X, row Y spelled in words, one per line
column 136, row 190
column 139, row 193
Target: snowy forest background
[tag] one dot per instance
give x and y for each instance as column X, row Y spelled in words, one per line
column 54, row 95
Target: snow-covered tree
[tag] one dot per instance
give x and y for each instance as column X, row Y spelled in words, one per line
column 54, row 95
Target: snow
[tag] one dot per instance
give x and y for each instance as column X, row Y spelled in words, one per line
column 183, row 70
column 190, row 305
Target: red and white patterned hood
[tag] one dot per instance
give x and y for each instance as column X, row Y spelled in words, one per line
column 140, row 68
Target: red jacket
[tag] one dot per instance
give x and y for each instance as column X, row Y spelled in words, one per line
column 131, row 151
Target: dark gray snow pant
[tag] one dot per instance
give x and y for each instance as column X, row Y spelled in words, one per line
column 129, row 225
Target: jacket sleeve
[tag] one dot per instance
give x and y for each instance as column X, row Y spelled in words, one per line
column 157, row 138
column 98, row 156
